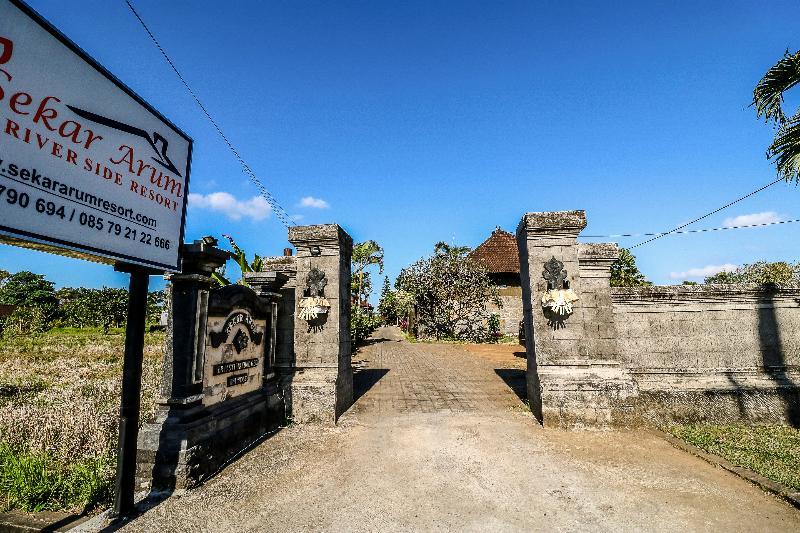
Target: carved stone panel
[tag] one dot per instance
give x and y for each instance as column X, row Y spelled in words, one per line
column 236, row 342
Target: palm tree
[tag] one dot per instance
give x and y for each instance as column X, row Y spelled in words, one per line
column 442, row 248
column 365, row 254
column 768, row 101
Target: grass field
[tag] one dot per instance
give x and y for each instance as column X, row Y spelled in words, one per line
column 59, row 397
column 770, row 450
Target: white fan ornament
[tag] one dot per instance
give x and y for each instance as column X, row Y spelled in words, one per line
column 559, row 301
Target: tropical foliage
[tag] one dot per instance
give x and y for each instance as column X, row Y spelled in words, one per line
column 394, row 305
column 38, row 306
column 625, row 273
column 240, row 258
column 362, row 324
column 362, row 320
column 761, row 272
column 450, row 294
column 768, row 101
column 365, row 255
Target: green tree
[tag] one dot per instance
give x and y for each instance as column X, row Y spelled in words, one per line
column 386, row 304
column 768, row 101
column 779, row 273
column 625, row 273
column 81, row 307
column 442, row 248
column 365, row 254
column 450, row 294
column 26, row 289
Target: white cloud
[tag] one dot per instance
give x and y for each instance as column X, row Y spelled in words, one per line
column 703, row 272
column 256, row 208
column 753, row 218
column 316, row 203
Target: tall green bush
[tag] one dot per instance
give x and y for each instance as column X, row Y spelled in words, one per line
column 450, row 294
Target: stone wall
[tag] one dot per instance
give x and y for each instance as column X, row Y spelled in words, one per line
column 510, row 313
column 711, row 352
column 651, row 355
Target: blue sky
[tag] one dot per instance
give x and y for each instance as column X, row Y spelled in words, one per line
column 414, row 122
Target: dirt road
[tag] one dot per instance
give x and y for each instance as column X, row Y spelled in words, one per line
column 439, row 440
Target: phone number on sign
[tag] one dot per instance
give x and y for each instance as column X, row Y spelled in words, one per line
column 49, row 208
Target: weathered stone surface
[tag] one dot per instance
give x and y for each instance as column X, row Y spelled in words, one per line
column 321, row 387
column 678, row 353
column 554, row 220
column 197, row 429
column 598, row 251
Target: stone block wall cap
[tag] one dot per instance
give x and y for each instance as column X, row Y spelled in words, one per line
column 700, row 291
column 280, row 262
column 319, row 234
column 554, row 220
column 598, row 250
column 203, row 257
column 261, row 281
column 199, row 247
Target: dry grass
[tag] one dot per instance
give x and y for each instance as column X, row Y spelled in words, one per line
column 59, row 392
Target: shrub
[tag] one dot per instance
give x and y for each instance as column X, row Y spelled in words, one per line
column 24, row 321
column 362, row 323
column 450, row 293
column 625, row 273
column 762, row 273
column 494, row 328
column 31, row 291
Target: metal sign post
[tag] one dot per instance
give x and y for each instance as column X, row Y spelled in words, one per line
column 131, row 389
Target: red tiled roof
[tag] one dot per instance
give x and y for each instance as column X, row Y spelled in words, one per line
column 498, row 253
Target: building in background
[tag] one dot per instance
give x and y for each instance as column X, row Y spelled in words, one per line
column 500, row 255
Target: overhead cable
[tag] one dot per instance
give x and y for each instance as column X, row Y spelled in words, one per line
column 675, row 230
column 279, row 211
column 760, row 225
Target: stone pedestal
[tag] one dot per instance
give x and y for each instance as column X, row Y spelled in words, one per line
column 321, row 387
column 285, row 268
column 191, row 436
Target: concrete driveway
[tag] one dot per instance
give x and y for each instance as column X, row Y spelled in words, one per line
column 438, row 439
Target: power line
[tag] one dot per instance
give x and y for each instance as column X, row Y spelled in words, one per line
column 280, row 212
column 658, row 236
column 723, row 228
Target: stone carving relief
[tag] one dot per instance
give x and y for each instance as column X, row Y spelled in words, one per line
column 557, row 301
column 313, row 304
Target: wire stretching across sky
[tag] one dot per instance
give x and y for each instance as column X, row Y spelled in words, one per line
column 676, row 230
column 280, row 212
column 704, row 230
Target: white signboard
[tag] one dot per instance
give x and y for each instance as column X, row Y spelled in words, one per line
column 85, row 164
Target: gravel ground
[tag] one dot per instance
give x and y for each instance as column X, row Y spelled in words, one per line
column 399, row 462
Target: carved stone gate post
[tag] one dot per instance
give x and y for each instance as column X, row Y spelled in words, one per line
column 321, row 387
column 574, row 372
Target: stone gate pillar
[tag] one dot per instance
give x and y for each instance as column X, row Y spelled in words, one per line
column 321, row 387
column 574, row 374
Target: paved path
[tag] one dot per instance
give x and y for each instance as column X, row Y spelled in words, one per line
column 438, row 440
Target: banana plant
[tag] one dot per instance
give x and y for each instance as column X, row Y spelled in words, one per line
column 240, row 257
